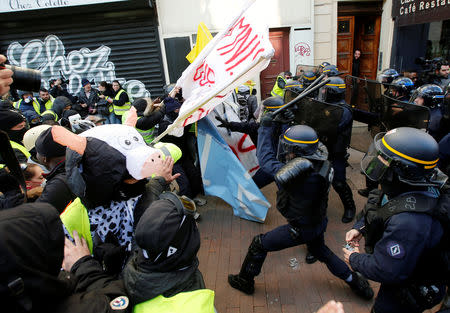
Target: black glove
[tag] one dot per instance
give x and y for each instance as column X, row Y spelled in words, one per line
column 296, row 168
column 223, row 123
column 267, row 120
column 284, row 117
column 110, row 254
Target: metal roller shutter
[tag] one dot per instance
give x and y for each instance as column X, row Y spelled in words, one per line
column 120, row 45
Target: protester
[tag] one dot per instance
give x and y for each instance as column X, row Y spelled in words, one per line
column 32, row 249
column 165, row 262
column 88, row 98
column 52, row 155
column 14, row 124
column 119, row 104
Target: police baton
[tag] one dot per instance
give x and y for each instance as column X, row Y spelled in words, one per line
column 301, row 96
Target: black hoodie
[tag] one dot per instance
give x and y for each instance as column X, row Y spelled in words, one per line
column 31, row 253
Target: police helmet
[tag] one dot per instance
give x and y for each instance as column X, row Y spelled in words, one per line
column 292, row 89
column 333, row 91
column 273, row 103
column 387, row 76
column 429, row 95
column 308, row 78
column 331, row 70
column 324, row 64
column 403, row 85
column 301, row 141
column 412, row 161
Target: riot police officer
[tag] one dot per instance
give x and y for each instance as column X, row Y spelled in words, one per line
column 331, row 70
column 432, row 96
column 387, row 76
column 334, row 93
column 399, row 229
column 401, row 88
column 303, row 176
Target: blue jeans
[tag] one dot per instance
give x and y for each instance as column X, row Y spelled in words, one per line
column 113, row 119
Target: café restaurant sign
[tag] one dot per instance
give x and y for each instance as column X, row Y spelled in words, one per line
column 407, row 12
column 24, row 5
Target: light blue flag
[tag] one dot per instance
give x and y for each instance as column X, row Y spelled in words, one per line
column 225, row 177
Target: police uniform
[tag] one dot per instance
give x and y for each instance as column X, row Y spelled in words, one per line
column 334, row 92
column 302, row 199
column 398, row 225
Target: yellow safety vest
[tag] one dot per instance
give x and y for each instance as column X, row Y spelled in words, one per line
column 75, row 217
column 148, row 134
column 51, row 112
column 49, row 104
column 120, row 110
column 36, row 105
column 277, row 91
column 197, row 301
column 19, row 147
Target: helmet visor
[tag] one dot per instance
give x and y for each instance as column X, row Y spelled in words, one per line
column 375, row 163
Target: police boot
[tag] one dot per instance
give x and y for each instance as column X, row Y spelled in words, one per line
column 251, row 267
column 310, row 258
column 361, row 286
column 370, row 185
column 345, row 193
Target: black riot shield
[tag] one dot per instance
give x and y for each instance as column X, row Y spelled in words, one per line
column 364, row 94
column 321, row 116
column 397, row 113
column 301, row 68
column 9, row 159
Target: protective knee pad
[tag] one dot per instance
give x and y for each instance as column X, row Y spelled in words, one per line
column 256, row 246
column 254, row 259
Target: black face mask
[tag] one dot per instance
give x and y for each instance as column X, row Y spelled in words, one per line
column 17, row 135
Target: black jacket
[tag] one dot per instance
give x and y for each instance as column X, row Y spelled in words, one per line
column 93, row 290
column 56, row 191
column 91, row 102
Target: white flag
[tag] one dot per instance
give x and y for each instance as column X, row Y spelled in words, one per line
column 235, row 55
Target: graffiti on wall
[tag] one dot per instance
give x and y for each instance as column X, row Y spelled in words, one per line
column 49, row 57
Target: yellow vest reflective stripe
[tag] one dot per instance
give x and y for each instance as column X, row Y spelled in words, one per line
column 51, row 113
column 75, row 217
column 197, row 301
column 120, row 110
column 21, row 148
column 148, row 134
column 277, row 91
column 36, row 106
column 49, row 105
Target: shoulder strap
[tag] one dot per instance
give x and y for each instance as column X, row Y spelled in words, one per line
column 414, row 202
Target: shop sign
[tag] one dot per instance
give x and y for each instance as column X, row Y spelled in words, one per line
column 408, row 12
column 24, row 5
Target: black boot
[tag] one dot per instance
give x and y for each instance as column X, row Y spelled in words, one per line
column 310, row 258
column 251, row 267
column 370, row 185
column 345, row 193
column 361, row 286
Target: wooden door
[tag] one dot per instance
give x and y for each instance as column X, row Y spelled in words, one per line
column 280, row 61
column 368, row 40
column 345, row 38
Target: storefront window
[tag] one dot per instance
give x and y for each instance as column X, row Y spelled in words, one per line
column 438, row 43
column 428, row 40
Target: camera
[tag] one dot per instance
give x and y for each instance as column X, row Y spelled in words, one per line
column 24, row 78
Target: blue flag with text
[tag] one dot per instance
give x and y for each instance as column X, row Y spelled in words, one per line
column 225, row 177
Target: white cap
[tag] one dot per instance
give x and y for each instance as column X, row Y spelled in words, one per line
column 29, row 139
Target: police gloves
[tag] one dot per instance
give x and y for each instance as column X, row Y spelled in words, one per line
column 284, row 117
